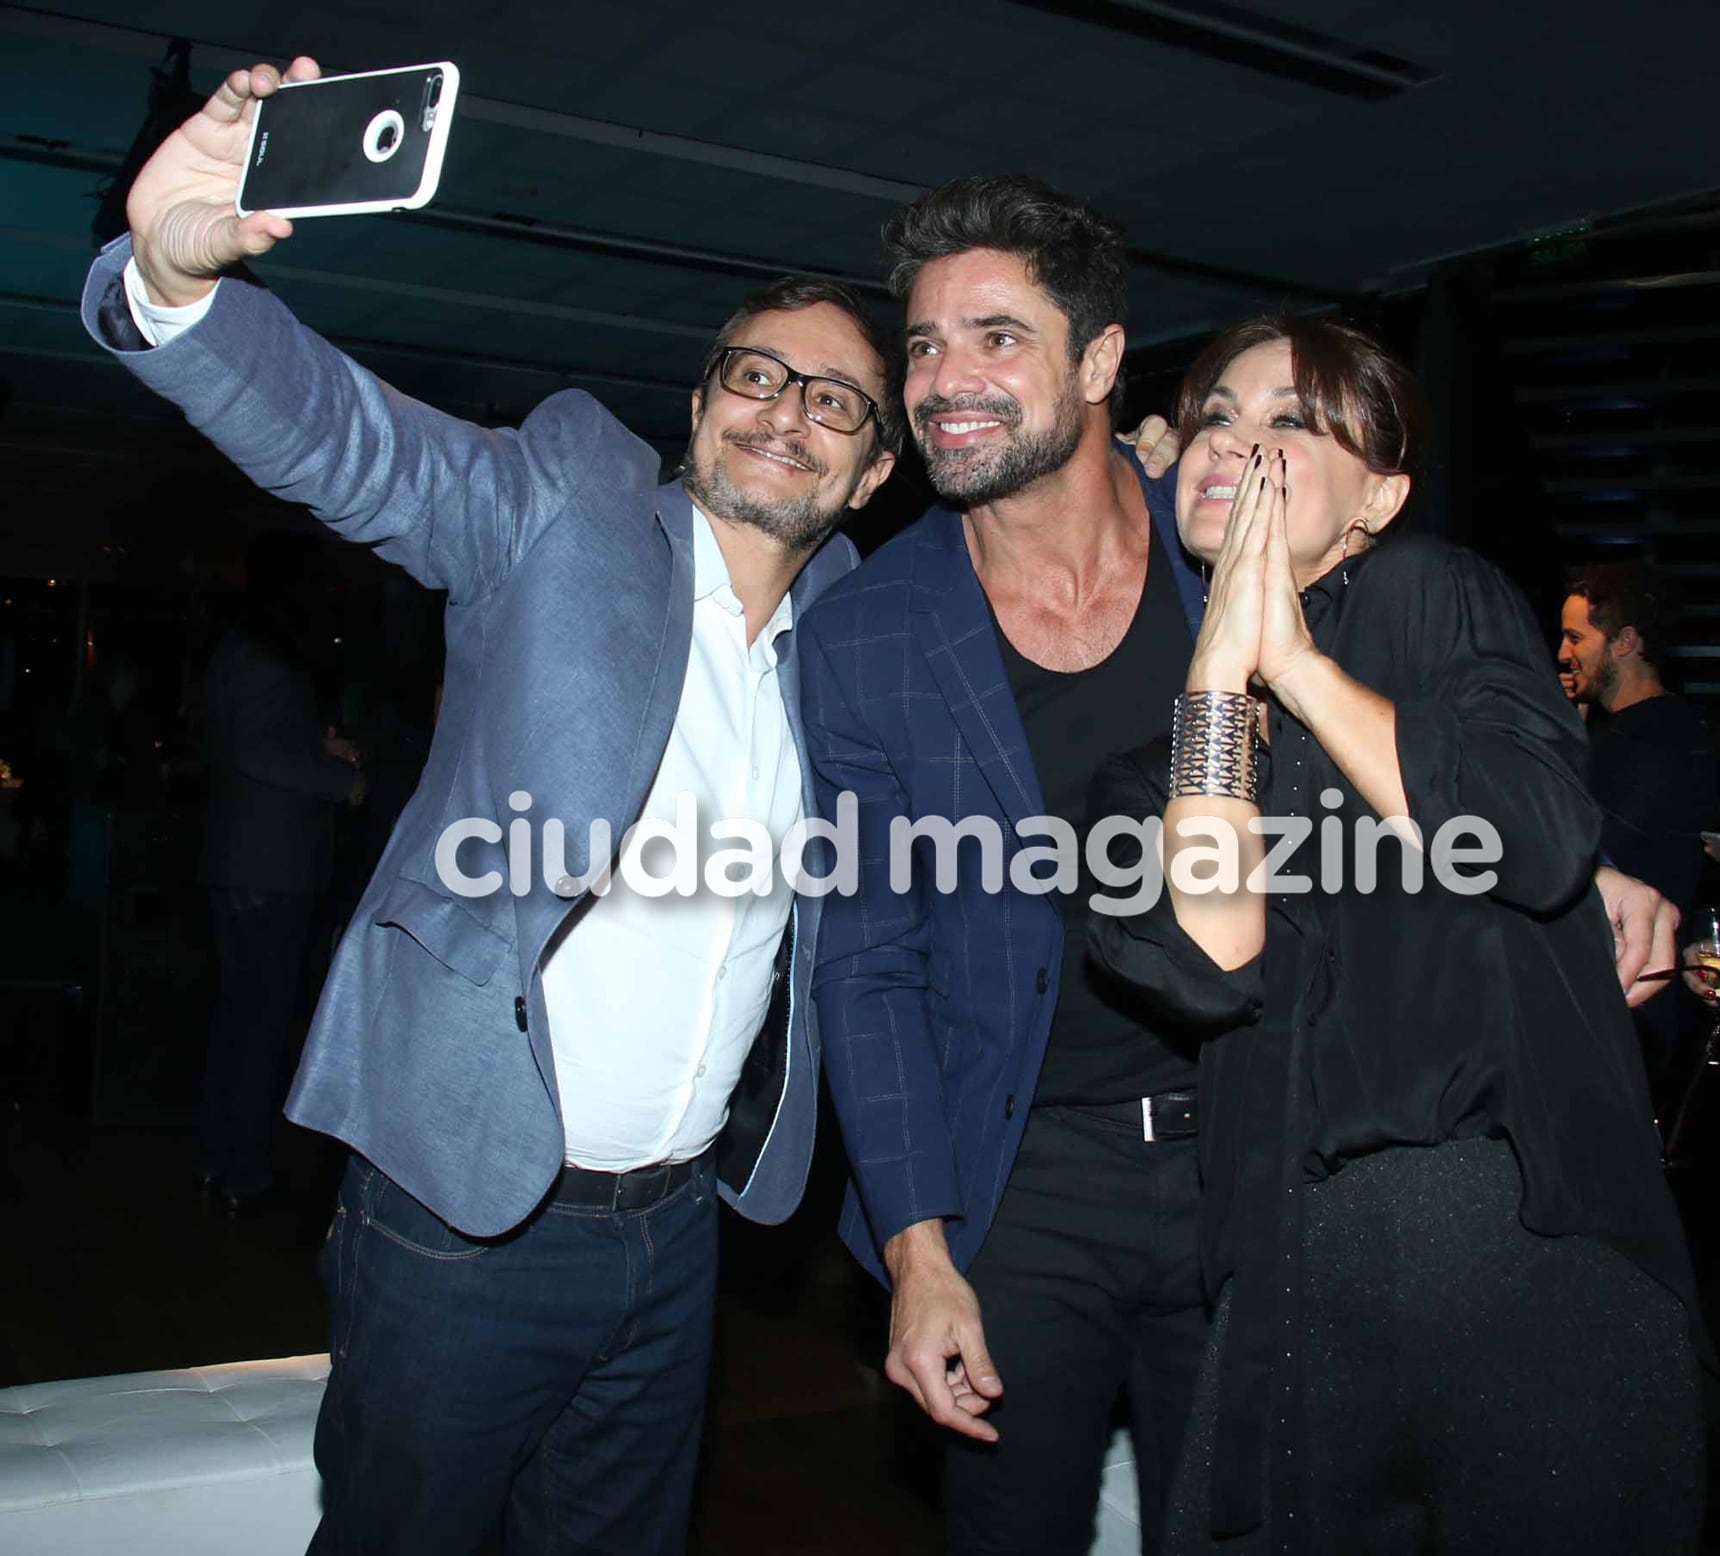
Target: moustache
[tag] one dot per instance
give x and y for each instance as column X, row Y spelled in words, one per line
column 798, row 452
column 1001, row 408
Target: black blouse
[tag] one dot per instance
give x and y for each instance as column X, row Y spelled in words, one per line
column 1407, row 1017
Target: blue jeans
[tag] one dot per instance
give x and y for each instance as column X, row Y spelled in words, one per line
column 551, row 1381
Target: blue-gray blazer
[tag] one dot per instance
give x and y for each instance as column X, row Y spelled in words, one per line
column 569, row 574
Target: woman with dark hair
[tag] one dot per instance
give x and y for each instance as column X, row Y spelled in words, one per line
column 1457, row 1312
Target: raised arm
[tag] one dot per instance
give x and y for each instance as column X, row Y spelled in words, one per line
column 453, row 503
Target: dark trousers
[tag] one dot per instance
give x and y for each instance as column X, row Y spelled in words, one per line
column 1470, row 1387
column 550, row 1382
column 259, row 945
column 1089, row 1286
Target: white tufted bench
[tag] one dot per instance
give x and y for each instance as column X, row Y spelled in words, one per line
column 203, row 1462
column 1118, row 1530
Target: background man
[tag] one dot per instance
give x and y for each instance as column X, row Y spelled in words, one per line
column 275, row 779
column 1651, row 766
column 522, row 1264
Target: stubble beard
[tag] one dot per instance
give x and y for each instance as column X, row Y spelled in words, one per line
column 798, row 524
column 972, row 477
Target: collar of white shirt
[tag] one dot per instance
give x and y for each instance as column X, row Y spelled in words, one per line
column 711, row 581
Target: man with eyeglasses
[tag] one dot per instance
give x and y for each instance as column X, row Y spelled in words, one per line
column 544, row 1088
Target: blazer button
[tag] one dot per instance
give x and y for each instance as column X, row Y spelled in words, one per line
column 1043, row 981
column 520, row 1011
column 1009, row 1107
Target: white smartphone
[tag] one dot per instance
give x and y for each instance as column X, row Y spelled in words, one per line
column 344, row 145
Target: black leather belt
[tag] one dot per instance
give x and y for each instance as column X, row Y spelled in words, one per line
column 637, row 1189
column 1172, row 1114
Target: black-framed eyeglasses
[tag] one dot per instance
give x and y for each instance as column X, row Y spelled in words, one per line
column 757, row 375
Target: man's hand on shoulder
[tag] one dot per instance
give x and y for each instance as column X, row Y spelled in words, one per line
column 184, row 228
column 937, row 1345
column 1645, row 930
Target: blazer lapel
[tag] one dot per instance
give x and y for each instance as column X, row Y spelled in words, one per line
column 675, row 515
column 834, row 559
column 954, row 625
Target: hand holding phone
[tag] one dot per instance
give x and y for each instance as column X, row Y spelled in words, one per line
column 342, row 145
column 184, row 227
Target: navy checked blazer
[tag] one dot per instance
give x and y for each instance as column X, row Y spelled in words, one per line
column 934, row 1008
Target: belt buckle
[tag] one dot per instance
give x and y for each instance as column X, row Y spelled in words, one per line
column 642, row 1187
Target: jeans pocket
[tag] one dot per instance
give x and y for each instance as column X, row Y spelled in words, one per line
column 409, row 1224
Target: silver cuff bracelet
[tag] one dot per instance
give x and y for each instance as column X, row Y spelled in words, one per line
column 1212, row 746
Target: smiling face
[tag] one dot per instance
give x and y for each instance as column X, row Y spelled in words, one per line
column 764, row 463
column 993, row 397
column 1255, row 402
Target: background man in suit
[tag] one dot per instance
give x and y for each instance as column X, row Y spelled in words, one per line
column 275, row 778
column 522, row 1263
column 1021, row 1133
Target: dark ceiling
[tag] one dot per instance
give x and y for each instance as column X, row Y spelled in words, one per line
column 620, row 174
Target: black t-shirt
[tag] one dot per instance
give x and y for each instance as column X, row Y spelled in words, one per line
column 1101, row 1048
column 1652, row 769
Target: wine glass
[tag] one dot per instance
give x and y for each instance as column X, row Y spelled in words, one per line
column 1701, row 963
column 1702, row 956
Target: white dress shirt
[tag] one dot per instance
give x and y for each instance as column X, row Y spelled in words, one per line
column 654, row 1002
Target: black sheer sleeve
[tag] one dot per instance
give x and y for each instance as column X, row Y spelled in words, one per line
column 1492, row 736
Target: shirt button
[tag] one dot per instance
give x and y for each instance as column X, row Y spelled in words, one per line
column 755, row 775
column 1009, row 1106
column 700, row 1071
column 722, row 972
column 1042, row 981
column 520, row 1012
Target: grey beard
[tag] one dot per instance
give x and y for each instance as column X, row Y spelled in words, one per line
column 797, row 524
column 973, row 477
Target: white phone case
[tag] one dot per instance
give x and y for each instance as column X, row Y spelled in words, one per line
column 345, row 145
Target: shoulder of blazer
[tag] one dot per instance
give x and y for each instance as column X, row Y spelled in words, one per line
column 928, row 552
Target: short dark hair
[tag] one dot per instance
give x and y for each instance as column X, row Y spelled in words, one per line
column 1074, row 255
column 789, row 294
column 1348, row 383
column 1627, row 594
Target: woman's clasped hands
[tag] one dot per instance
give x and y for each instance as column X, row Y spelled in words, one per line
column 1254, row 628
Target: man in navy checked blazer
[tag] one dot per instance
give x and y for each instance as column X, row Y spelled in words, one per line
column 982, row 664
